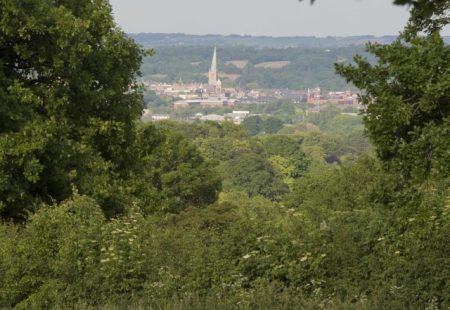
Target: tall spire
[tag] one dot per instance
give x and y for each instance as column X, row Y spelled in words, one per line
column 214, row 61
column 213, row 71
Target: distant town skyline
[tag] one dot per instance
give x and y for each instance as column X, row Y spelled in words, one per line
column 262, row 17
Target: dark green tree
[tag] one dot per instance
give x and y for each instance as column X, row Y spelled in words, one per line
column 254, row 175
column 68, row 100
column 69, row 103
column 254, row 124
column 272, row 125
column 172, row 174
column 407, row 94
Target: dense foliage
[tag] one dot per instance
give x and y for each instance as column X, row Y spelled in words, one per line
column 334, row 244
column 407, row 94
column 69, row 103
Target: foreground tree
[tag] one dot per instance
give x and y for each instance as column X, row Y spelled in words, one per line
column 68, row 99
column 407, row 95
column 68, row 107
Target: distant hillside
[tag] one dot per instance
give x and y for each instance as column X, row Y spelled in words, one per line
column 254, row 62
column 179, row 39
column 294, row 68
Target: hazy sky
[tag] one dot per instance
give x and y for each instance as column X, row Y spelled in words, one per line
column 261, row 17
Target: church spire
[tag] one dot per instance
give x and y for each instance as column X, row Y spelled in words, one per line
column 213, row 71
column 214, row 61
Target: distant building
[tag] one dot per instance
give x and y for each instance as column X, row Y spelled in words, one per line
column 238, row 116
column 213, row 78
column 160, row 117
column 148, row 116
column 212, row 118
column 314, row 96
column 296, row 96
column 211, row 102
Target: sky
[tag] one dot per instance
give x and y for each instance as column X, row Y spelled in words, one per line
column 262, row 17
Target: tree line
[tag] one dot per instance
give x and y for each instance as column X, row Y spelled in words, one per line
column 307, row 68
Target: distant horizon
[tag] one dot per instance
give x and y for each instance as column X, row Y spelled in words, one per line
column 282, row 18
column 264, row 36
column 158, row 39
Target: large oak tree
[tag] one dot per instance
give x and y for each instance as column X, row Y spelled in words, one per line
column 69, row 103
